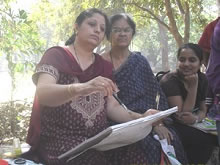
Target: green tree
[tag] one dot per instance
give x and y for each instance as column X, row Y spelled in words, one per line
column 180, row 21
column 19, row 40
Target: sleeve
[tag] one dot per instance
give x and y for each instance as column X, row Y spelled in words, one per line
column 46, row 65
column 205, row 40
column 216, row 37
column 216, row 56
column 45, row 68
column 170, row 86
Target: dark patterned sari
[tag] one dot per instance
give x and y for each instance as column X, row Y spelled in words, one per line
column 138, row 89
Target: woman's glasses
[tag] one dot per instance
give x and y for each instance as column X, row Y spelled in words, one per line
column 119, row 30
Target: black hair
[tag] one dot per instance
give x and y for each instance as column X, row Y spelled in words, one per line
column 87, row 14
column 117, row 17
column 195, row 47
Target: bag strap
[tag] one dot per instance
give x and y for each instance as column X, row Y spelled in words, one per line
column 160, row 74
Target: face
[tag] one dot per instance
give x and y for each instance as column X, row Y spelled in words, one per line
column 92, row 30
column 121, row 33
column 188, row 62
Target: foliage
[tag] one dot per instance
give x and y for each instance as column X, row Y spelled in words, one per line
column 144, row 12
column 19, row 38
column 14, row 120
column 184, row 23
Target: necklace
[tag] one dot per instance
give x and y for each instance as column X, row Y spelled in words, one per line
column 77, row 58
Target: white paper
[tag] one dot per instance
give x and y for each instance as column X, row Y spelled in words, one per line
column 119, row 135
column 168, row 150
column 131, row 132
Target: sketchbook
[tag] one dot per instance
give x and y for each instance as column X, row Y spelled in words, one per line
column 206, row 125
column 119, row 135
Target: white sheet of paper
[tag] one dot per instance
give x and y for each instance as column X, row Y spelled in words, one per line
column 119, row 135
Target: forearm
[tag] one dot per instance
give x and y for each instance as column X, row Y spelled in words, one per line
column 56, row 94
column 189, row 102
column 202, row 112
column 118, row 114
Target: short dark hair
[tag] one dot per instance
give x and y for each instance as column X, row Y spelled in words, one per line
column 117, row 17
column 87, row 14
column 195, row 47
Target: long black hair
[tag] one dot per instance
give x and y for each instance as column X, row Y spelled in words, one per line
column 117, row 17
column 195, row 47
column 87, row 14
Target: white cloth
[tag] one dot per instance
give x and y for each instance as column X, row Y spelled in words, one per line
column 168, row 151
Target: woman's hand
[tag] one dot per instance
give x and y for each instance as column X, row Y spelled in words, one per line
column 150, row 112
column 191, row 81
column 186, row 117
column 100, row 84
column 163, row 132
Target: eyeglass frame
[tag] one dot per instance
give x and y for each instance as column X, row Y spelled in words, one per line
column 118, row 30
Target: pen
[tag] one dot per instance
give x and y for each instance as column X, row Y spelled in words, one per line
column 119, row 101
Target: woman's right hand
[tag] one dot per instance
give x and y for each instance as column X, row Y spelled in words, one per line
column 100, row 84
column 163, row 132
column 186, row 117
column 191, row 81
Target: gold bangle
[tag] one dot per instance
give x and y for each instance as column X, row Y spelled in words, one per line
column 161, row 124
column 69, row 90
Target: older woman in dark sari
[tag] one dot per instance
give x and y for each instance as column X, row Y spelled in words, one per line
column 138, row 86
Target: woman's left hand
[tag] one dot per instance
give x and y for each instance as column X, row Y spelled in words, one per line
column 186, row 117
column 163, row 133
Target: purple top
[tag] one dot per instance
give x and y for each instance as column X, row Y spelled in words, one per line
column 213, row 71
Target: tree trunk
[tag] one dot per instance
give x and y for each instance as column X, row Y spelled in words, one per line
column 173, row 28
column 218, row 3
column 187, row 23
column 163, row 46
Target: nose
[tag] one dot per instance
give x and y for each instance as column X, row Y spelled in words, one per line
column 186, row 63
column 98, row 29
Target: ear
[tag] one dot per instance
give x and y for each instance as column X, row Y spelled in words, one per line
column 76, row 28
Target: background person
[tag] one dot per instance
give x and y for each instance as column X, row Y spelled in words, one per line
column 187, row 88
column 213, row 75
column 205, row 40
column 138, row 87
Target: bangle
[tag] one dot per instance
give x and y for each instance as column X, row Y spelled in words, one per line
column 161, row 124
column 197, row 120
column 70, row 90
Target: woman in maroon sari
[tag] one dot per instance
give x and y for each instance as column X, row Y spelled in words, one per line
column 74, row 97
